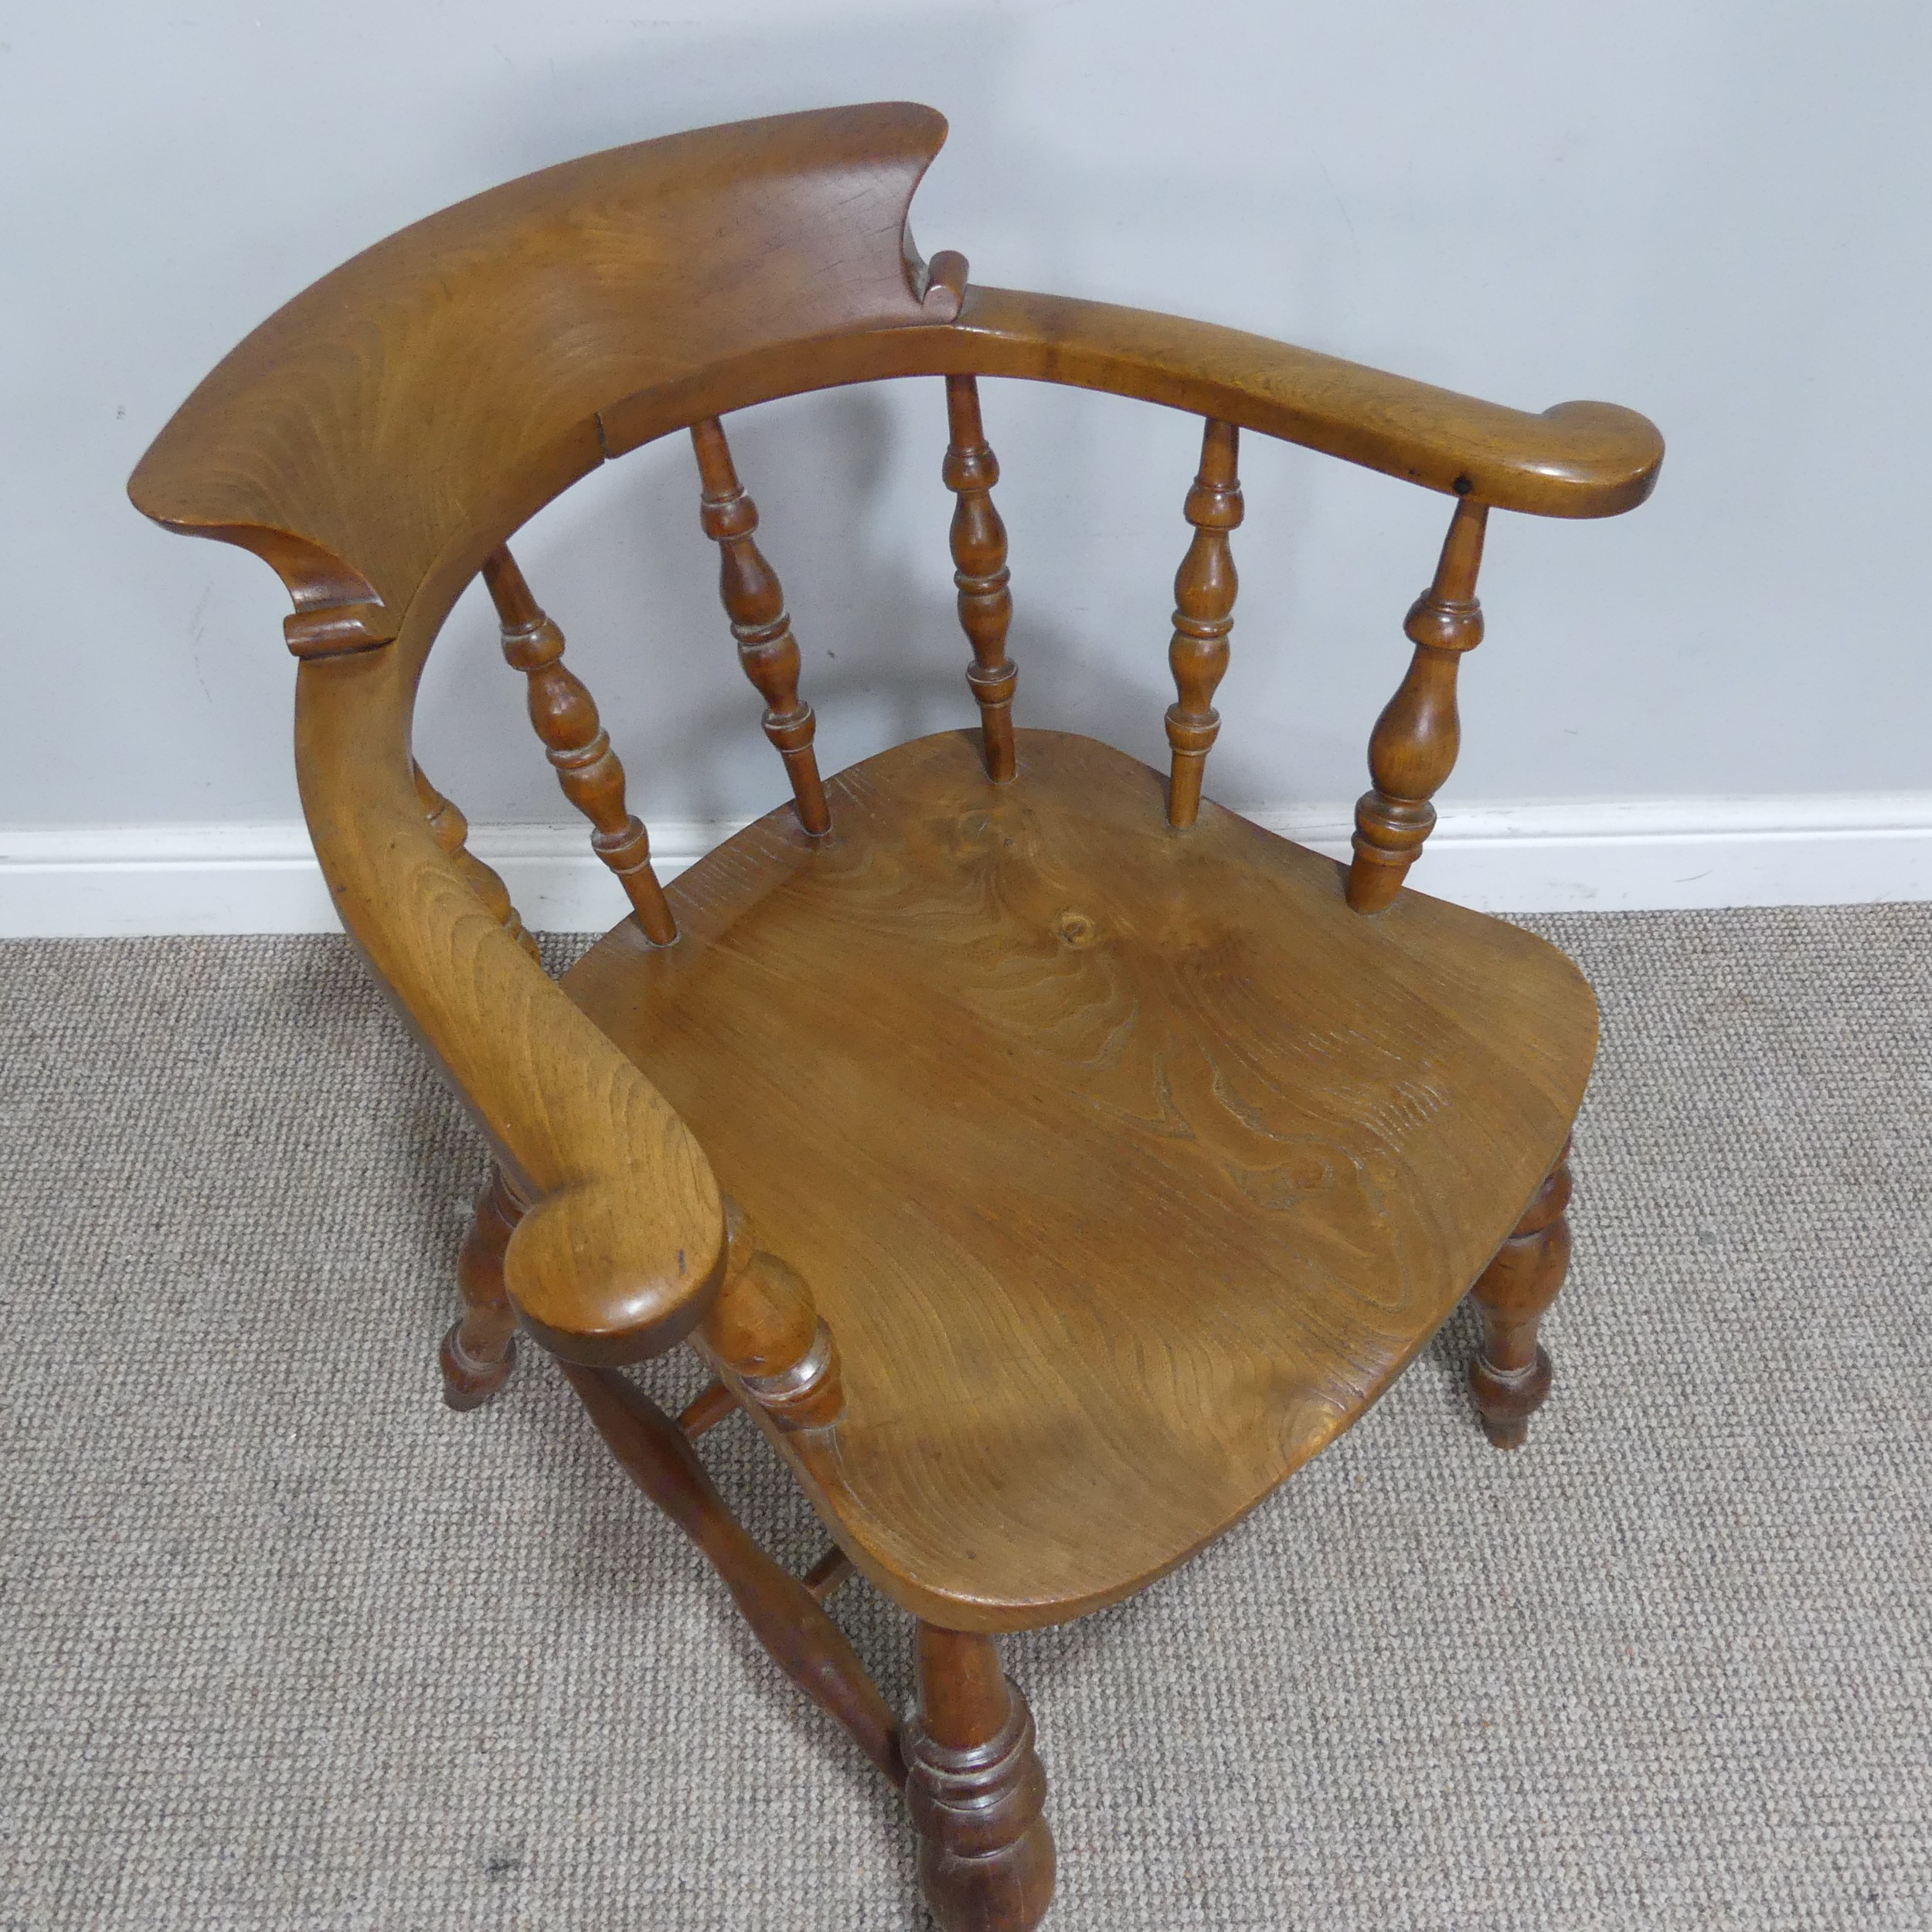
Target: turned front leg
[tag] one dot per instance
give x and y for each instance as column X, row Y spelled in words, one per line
column 480, row 1351
column 976, row 1790
column 1510, row 1376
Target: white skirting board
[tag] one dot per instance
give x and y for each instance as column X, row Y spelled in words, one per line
column 102, row 881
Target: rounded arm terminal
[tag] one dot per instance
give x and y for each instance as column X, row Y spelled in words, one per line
column 620, row 1250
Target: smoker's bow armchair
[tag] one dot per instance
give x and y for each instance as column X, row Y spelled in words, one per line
column 1048, row 1161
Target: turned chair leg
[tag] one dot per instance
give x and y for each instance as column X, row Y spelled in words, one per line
column 480, row 1351
column 1510, row 1376
column 976, row 1790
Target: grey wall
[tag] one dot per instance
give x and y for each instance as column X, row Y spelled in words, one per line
column 1715, row 213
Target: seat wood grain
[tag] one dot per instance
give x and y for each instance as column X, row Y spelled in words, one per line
column 1128, row 1164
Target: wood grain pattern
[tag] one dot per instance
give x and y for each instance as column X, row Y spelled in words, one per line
column 456, row 368
column 1127, row 1168
column 748, row 588
column 1204, row 590
column 1577, row 459
column 976, row 1790
column 451, row 830
column 1412, row 749
column 978, row 540
column 622, row 1247
column 379, row 435
column 565, row 717
column 805, row 1643
column 1200, row 1157
column 1510, row 1374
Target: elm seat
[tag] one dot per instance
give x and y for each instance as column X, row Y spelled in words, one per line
column 931, row 1053
column 1048, row 1161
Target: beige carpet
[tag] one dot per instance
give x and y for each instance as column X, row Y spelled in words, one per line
column 286, row 1644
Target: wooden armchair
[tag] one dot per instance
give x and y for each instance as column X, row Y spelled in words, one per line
column 1048, row 1161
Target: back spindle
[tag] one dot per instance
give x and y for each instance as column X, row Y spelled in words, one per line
column 749, row 588
column 1412, row 749
column 979, row 558
column 1204, row 589
column 565, row 717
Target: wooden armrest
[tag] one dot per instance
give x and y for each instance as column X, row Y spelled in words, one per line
column 1577, row 459
column 621, row 1250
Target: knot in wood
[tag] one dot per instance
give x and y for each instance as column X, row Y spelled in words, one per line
column 1075, row 929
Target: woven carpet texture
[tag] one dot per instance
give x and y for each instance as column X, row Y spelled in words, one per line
column 288, row 1645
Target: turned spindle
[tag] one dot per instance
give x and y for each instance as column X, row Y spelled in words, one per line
column 1510, row 1376
column 975, row 1790
column 480, row 1350
column 1413, row 748
column 451, row 830
column 565, row 717
column 1204, row 589
column 979, row 560
column 755, row 603
column 765, row 1329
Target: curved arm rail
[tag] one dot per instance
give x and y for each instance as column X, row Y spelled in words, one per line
column 621, row 1250
column 1573, row 460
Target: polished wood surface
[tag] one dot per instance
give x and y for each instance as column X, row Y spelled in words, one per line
column 980, row 574
column 451, row 830
column 1140, row 1168
column 1412, row 749
column 748, row 588
column 1510, row 1373
column 1093, row 1160
column 765, row 1332
column 975, row 1790
column 564, row 716
column 1204, row 590
column 700, row 273
column 622, row 1248
column 453, row 374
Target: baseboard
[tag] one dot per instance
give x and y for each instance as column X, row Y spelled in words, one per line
column 95, row 881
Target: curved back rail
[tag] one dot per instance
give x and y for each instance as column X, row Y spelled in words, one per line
column 378, row 440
